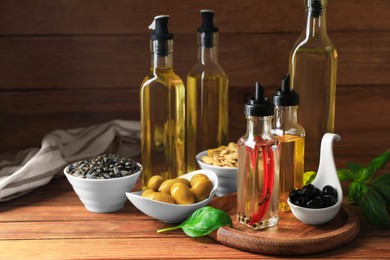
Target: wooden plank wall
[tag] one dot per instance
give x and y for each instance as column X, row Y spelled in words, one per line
column 73, row 63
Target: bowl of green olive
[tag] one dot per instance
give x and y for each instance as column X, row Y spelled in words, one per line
column 173, row 200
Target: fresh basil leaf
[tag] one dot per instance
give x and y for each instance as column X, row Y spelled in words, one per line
column 371, row 194
column 357, row 190
column 202, row 222
column 374, row 209
column 363, row 174
column 308, row 177
column 344, row 174
column 381, row 184
column 354, row 166
column 380, row 161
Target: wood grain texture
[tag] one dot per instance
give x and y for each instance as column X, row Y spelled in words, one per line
column 51, row 223
column 146, row 248
column 110, row 62
column 123, row 17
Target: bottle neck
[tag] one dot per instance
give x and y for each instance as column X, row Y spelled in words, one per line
column 285, row 115
column 316, row 18
column 208, row 48
column 207, row 54
column 259, row 125
column 162, row 57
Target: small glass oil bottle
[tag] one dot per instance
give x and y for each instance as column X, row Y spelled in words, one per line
column 162, row 98
column 207, row 96
column 291, row 137
column 258, row 166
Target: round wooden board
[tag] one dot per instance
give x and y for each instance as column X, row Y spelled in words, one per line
column 290, row 236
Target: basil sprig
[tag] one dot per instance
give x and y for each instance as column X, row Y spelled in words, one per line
column 202, row 222
column 372, row 194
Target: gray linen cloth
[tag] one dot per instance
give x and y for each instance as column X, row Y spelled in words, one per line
column 35, row 167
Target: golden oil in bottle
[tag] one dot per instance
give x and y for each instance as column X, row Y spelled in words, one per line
column 207, row 96
column 291, row 139
column 162, row 98
column 291, row 167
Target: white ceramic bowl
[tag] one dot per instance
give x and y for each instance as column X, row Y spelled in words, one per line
column 314, row 217
column 103, row 195
column 227, row 177
column 172, row 213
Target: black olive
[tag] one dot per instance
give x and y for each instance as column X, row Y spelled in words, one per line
column 317, row 193
column 329, row 190
column 299, row 192
column 293, row 195
column 329, row 200
column 311, row 197
column 315, row 203
column 301, row 201
column 308, row 190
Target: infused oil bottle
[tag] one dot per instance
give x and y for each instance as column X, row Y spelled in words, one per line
column 162, row 109
column 258, row 166
column 206, row 96
column 313, row 68
column 291, row 139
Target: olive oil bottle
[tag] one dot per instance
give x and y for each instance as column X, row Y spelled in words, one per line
column 207, row 96
column 291, row 139
column 162, row 98
column 313, row 68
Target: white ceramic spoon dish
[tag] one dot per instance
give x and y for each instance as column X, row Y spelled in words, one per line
column 326, row 175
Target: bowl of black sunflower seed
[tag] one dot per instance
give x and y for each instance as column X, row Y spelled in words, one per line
column 101, row 182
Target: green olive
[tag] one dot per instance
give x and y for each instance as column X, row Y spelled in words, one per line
column 146, row 192
column 154, row 182
column 182, row 194
column 202, row 189
column 159, row 196
column 197, row 177
column 165, row 187
column 185, row 181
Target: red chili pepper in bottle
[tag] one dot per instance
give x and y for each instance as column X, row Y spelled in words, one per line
column 258, row 171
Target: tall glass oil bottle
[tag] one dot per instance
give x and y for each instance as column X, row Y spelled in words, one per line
column 162, row 109
column 206, row 96
column 291, row 138
column 258, row 166
column 313, row 68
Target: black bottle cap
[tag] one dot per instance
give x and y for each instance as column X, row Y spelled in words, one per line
column 207, row 22
column 208, row 28
column 285, row 96
column 260, row 105
column 315, row 7
column 160, row 28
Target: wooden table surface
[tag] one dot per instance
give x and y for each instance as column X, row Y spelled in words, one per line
column 51, row 223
